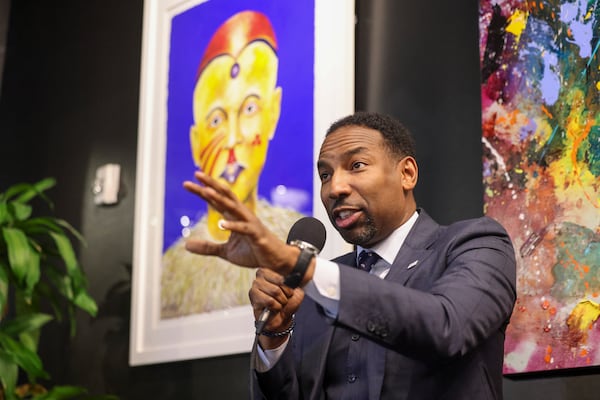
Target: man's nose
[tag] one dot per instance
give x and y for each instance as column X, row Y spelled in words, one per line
column 339, row 185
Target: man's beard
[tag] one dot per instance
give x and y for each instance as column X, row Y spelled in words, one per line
column 361, row 236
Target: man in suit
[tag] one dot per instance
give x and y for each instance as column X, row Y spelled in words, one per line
column 426, row 320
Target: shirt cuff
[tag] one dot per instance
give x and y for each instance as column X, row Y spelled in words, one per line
column 324, row 288
column 267, row 358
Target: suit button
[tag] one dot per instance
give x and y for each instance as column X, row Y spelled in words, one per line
column 352, row 378
column 371, row 326
column 355, row 337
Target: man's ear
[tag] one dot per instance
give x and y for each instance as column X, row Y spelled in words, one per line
column 410, row 172
column 275, row 110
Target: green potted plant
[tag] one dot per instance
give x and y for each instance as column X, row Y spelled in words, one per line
column 38, row 271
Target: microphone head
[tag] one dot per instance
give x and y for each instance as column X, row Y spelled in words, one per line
column 309, row 230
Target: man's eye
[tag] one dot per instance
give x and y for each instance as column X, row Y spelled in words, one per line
column 358, row 165
column 324, row 176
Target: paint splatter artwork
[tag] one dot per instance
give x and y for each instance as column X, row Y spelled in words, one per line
column 541, row 161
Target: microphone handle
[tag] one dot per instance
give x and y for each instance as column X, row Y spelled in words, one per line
column 259, row 324
column 262, row 320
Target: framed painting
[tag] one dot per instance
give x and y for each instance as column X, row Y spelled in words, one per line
column 243, row 90
column 541, row 134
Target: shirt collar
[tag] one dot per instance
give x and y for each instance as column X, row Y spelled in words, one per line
column 389, row 247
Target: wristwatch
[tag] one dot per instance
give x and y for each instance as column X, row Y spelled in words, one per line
column 307, row 253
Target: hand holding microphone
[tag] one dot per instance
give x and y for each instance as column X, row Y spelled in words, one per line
column 309, row 235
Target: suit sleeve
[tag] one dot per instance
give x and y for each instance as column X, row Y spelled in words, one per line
column 279, row 382
column 456, row 298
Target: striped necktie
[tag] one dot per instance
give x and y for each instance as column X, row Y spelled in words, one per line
column 366, row 259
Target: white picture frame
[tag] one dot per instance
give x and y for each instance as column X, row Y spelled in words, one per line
column 155, row 340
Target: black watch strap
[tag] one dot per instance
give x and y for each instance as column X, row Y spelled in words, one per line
column 295, row 277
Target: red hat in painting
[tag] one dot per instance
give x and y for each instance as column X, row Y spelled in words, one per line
column 235, row 34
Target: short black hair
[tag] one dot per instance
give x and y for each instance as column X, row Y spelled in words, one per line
column 396, row 136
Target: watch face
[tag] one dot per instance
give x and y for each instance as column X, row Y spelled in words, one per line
column 305, row 246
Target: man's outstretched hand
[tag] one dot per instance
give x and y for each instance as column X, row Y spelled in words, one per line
column 250, row 244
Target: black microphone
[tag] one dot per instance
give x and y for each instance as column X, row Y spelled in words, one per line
column 311, row 233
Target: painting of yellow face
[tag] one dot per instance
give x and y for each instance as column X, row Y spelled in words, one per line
column 236, row 109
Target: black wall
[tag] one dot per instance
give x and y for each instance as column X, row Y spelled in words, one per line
column 69, row 104
column 419, row 61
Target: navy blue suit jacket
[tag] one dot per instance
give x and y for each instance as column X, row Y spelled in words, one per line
column 434, row 326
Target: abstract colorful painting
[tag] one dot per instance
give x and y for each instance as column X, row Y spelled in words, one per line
column 541, row 160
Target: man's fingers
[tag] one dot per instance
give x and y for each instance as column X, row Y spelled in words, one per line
column 208, row 180
column 297, row 296
column 219, row 196
column 204, row 247
column 276, row 279
column 282, row 301
column 269, row 276
column 275, row 295
column 241, row 227
column 223, row 191
column 207, row 193
column 261, row 300
column 267, row 290
column 211, row 195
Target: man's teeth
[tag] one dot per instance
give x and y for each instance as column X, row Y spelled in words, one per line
column 345, row 214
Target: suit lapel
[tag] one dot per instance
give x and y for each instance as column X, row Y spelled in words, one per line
column 415, row 249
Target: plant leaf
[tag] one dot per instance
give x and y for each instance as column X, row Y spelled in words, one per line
column 41, row 225
column 25, row 323
column 36, row 190
column 24, row 357
column 3, row 287
column 4, row 214
column 15, row 190
column 84, row 301
column 72, row 230
column 62, row 283
column 23, row 192
column 9, row 372
column 23, row 259
column 65, row 249
column 20, row 211
column 30, row 340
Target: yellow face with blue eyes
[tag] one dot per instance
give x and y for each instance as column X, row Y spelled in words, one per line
column 236, row 109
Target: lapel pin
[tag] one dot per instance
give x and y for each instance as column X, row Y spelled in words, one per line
column 412, row 264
